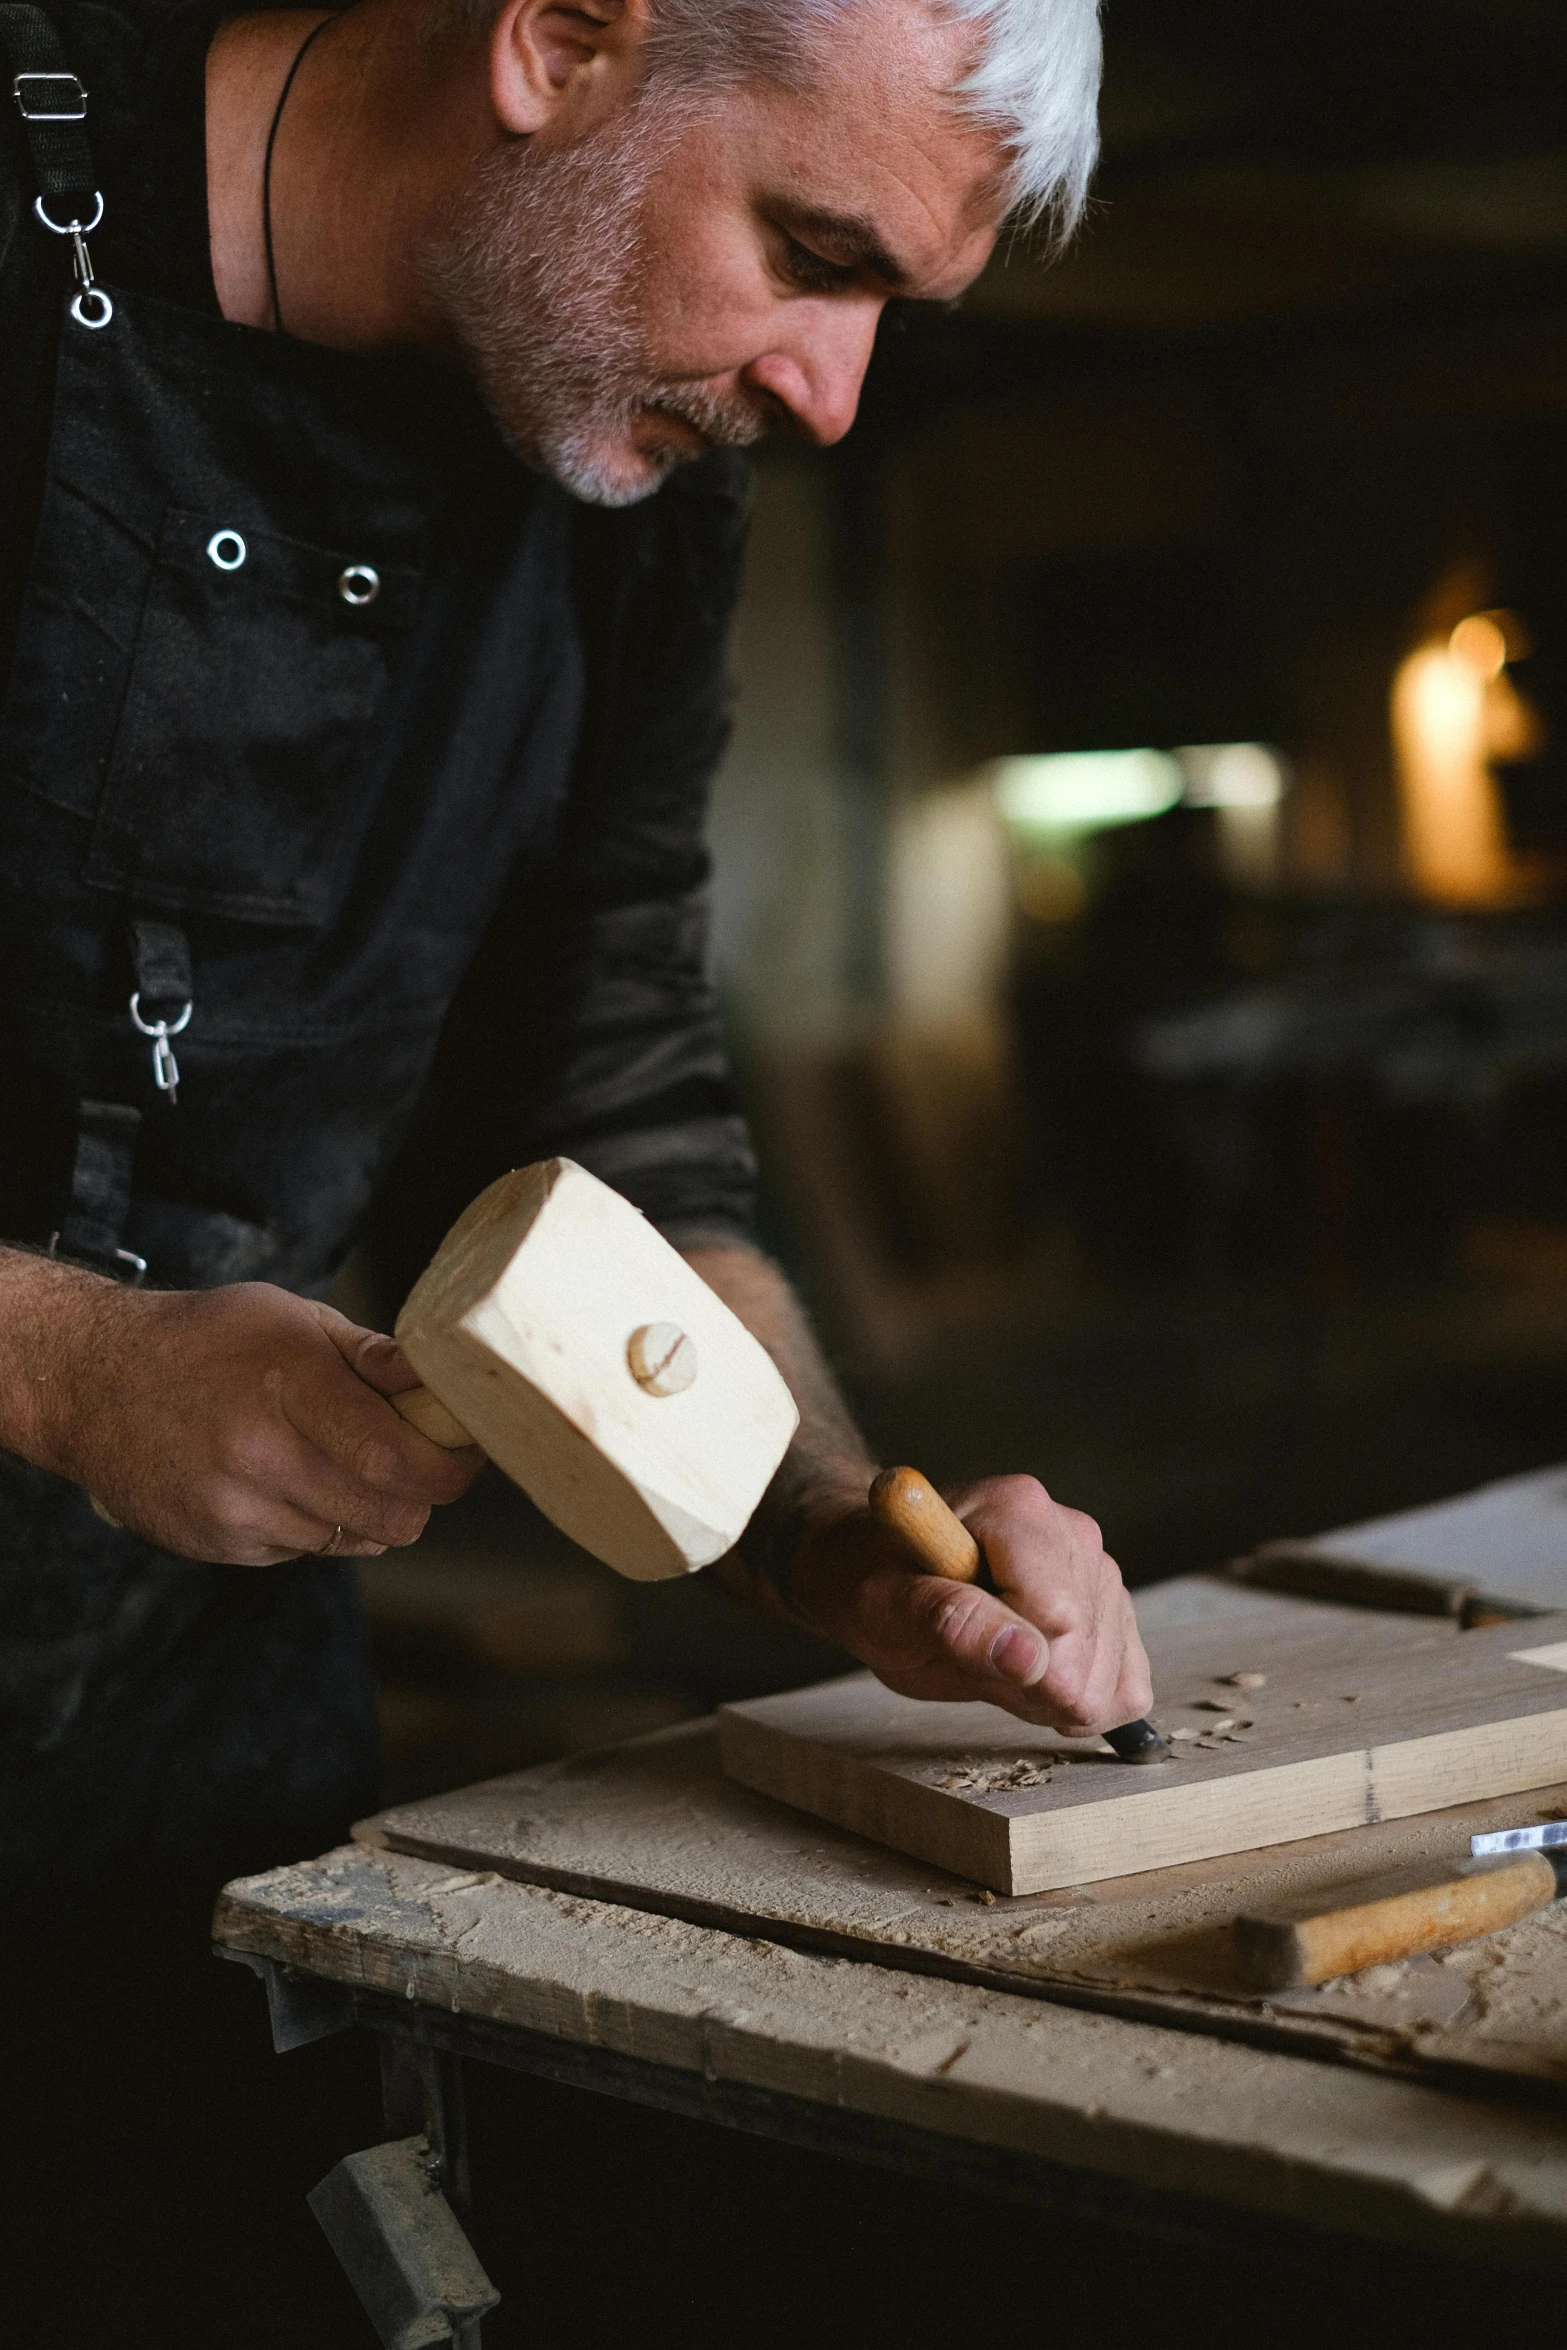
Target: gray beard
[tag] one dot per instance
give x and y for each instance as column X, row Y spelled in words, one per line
column 539, row 276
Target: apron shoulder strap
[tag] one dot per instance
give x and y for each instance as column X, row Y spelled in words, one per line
column 53, row 107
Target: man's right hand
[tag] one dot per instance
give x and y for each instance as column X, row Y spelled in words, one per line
column 241, row 1425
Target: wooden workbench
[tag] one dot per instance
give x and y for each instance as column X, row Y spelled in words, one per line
column 1160, row 2128
column 633, row 1923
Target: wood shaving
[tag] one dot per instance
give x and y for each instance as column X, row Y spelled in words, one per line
column 973, row 1777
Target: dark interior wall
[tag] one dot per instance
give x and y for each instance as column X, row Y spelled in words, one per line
column 1295, row 398
column 1039, row 554
column 1308, row 355
column 1163, row 546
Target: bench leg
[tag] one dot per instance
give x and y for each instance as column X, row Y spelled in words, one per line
column 395, row 2215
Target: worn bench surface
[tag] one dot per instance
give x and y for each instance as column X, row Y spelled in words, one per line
column 1261, row 2132
column 643, row 1915
column 656, row 1825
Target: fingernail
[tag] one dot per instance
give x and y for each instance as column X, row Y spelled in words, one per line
column 1016, row 1653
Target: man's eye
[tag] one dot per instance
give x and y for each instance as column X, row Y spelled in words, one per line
column 813, row 271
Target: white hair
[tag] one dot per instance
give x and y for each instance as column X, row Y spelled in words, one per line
column 1036, row 83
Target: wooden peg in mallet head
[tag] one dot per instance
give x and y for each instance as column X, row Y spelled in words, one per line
column 556, row 1328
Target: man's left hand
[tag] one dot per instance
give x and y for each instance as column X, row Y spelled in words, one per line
column 1056, row 1643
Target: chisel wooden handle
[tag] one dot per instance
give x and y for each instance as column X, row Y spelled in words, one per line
column 429, row 1415
column 1285, row 1953
column 909, row 1506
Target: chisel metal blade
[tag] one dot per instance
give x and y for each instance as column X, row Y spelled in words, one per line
column 1540, row 1838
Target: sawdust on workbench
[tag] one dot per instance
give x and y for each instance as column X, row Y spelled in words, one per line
column 659, row 1826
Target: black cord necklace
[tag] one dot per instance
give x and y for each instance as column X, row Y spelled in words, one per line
column 266, row 168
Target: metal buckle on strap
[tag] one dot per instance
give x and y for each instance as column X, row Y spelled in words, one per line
column 121, row 1264
column 66, row 92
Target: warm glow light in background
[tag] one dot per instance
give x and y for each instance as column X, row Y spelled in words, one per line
column 1454, row 713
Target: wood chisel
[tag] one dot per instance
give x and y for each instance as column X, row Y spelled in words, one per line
column 909, row 1506
column 1307, row 1572
column 1508, row 1876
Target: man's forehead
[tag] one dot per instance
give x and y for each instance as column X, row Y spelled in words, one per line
column 879, row 160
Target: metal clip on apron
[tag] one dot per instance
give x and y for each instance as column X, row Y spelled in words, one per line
column 172, row 1725
column 92, row 1231
column 53, row 107
column 162, row 1000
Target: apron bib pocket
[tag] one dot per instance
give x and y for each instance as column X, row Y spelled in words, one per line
column 234, row 799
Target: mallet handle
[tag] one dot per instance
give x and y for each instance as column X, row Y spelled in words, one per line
column 909, row 1506
column 419, row 1408
column 429, row 1415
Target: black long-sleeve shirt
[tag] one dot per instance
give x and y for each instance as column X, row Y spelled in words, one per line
column 578, row 1014
column 434, row 931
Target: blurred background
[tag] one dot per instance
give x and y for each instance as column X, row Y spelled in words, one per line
column 1141, row 866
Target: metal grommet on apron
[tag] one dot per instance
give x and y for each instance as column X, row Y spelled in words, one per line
column 200, row 495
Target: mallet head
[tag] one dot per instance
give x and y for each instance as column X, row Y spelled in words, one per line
column 567, row 1337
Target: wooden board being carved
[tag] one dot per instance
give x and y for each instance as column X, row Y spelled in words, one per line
column 1336, row 1733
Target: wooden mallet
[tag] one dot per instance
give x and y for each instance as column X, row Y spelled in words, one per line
column 556, row 1328
column 910, row 1507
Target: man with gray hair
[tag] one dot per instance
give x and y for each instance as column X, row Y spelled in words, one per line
column 371, row 388
column 370, row 524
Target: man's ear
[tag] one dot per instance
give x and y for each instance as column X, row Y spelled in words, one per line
column 549, row 57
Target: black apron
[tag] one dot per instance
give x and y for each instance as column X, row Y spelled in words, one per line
column 297, row 681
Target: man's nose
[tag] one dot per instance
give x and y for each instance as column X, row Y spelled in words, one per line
column 815, row 372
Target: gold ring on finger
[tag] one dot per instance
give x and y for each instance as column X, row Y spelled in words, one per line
column 333, row 1544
